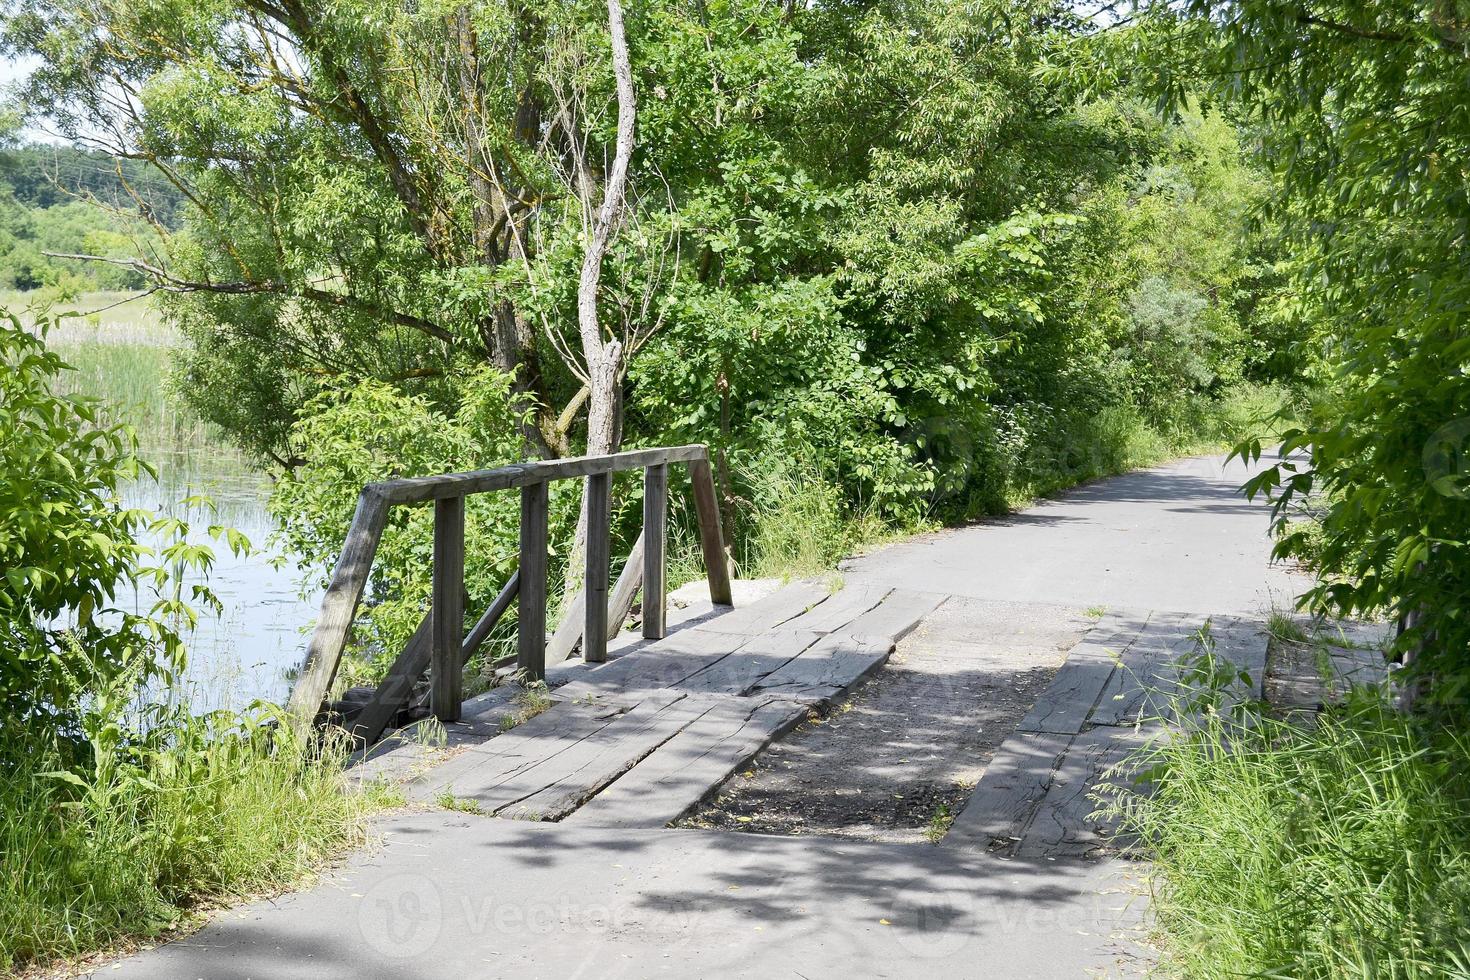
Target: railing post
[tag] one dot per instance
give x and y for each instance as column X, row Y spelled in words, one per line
column 599, row 546
column 531, row 624
column 655, row 512
column 711, row 539
column 446, row 674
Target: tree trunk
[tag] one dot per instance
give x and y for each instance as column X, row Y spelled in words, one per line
column 604, row 358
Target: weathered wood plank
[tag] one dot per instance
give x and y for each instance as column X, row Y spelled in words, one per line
column 426, row 488
column 568, row 632
column 1138, row 688
column 446, row 615
column 755, row 659
column 839, row 609
column 497, row 609
column 766, row 614
column 576, row 775
column 395, row 689
column 339, row 608
column 1009, row 792
column 667, row 663
column 826, row 669
column 1069, row 699
column 531, row 620
column 693, row 764
column 894, row 617
column 1064, row 822
column 711, row 537
column 595, row 579
column 655, row 514
column 487, row 772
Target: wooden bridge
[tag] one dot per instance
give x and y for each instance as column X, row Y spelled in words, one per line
column 438, row 647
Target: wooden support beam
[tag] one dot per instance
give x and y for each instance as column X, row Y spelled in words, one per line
column 711, row 538
column 446, row 673
column 481, row 630
column 599, row 546
column 655, row 514
column 569, row 631
column 531, row 629
column 339, row 608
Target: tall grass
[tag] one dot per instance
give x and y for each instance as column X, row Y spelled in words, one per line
column 156, row 824
column 1339, row 850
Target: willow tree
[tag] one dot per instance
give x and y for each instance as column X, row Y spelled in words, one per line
column 362, row 183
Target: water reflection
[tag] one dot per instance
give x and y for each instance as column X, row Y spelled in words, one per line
column 248, row 651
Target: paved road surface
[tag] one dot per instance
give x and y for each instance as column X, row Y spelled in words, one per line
column 1178, row 538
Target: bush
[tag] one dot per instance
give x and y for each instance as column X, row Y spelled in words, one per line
column 70, row 551
column 172, row 814
column 1341, row 850
column 119, row 810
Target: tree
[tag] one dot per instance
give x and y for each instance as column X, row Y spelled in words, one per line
column 1363, row 118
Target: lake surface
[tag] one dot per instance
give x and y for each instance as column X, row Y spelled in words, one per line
column 122, row 355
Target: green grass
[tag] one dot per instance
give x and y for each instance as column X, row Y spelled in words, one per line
column 137, row 842
column 1335, row 850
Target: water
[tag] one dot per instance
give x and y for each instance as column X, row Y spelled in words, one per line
column 122, row 356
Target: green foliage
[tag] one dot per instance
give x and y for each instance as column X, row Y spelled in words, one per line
column 1340, row 850
column 82, row 600
column 354, row 435
column 1377, row 214
column 170, row 814
column 888, row 240
column 121, row 812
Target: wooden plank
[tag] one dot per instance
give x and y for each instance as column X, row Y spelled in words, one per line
column 564, row 638
column 1069, row 699
column 755, row 659
column 626, row 588
column 1137, row 689
column 693, row 764
column 894, row 617
column 488, row 771
column 711, row 538
column 655, row 507
column 531, row 626
column 839, row 609
column 498, row 608
column 446, row 615
column 396, row 687
column 339, row 608
column 578, row 774
column 426, row 488
column 768, row 613
column 598, row 553
column 826, row 669
column 1064, row 821
column 667, row 663
column 1009, row 792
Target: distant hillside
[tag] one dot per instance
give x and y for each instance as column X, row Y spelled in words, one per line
column 48, row 203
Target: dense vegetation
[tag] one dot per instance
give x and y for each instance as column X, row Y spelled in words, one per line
column 64, row 200
column 1339, row 848
column 874, row 256
column 120, row 809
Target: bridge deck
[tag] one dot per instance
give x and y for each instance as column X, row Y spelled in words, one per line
column 643, row 738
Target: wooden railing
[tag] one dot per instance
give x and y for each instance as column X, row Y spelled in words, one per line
column 438, row 646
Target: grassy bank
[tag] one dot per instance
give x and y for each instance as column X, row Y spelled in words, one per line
column 1339, row 850
column 158, row 828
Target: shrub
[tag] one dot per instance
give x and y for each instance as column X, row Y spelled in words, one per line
column 1340, row 850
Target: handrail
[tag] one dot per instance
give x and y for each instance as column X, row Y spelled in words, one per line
column 441, row 629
